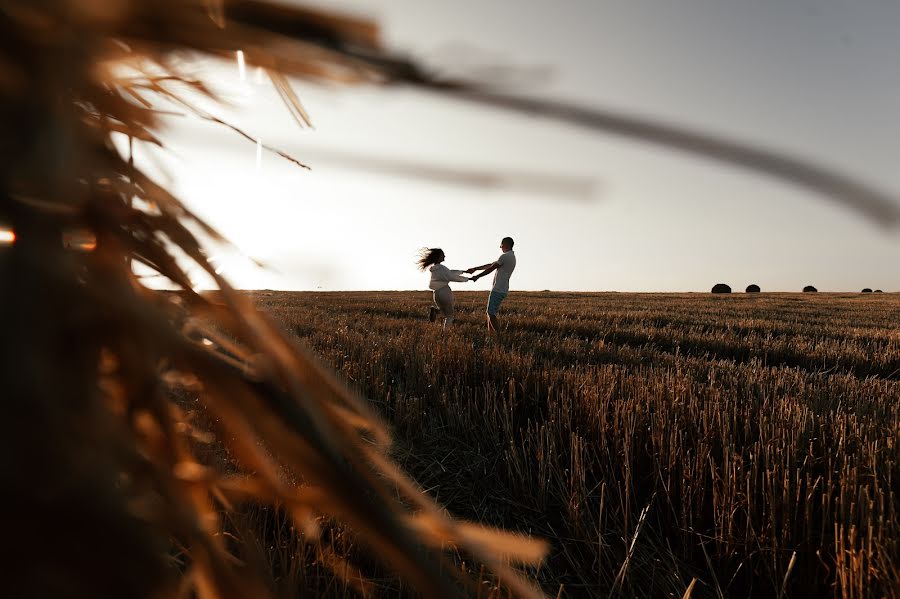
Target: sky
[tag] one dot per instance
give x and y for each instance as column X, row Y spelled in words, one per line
column 589, row 212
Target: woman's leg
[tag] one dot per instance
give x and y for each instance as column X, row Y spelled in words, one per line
column 433, row 308
column 445, row 301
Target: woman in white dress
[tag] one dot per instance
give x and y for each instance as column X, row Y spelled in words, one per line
column 441, row 276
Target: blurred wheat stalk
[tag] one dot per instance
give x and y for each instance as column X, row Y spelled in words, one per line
column 99, row 466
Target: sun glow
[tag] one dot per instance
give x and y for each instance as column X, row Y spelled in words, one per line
column 236, row 266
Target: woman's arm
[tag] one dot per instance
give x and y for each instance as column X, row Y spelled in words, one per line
column 456, row 275
column 442, row 273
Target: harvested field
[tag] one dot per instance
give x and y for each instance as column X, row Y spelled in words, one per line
column 748, row 442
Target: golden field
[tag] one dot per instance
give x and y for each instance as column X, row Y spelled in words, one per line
column 749, row 442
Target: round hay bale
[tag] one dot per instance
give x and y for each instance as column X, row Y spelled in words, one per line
column 867, row 290
column 810, row 289
column 879, row 291
column 721, row 288
column 754, row 288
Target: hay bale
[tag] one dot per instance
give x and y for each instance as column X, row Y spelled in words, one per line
column 810, row 289
column 879, row 291
column 752, row 288
column 866, row 290
column 721, row 288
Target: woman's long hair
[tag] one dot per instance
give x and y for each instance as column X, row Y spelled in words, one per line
column 429, row 256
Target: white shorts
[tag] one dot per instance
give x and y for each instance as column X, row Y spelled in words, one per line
column 443, row 299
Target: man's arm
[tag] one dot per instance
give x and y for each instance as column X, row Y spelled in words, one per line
column 482, row 267
column 488, row 268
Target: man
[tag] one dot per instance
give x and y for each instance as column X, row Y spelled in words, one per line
column 502, row 268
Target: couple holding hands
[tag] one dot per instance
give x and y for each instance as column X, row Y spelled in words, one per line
column 441, row 276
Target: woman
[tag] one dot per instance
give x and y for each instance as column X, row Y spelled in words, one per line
column 441, row 276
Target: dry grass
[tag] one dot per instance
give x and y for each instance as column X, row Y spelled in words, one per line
column 746, row 441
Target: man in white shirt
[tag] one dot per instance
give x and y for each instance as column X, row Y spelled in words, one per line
column 502, row 268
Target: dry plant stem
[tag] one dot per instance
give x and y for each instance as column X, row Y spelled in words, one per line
column 880, row 207
column 689, row 590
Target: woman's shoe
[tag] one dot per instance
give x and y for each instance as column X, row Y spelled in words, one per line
column 432, row 313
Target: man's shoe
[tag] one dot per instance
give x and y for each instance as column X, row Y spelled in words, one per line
column 432, row 313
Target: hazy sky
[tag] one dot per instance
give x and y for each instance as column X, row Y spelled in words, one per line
column 815, row 78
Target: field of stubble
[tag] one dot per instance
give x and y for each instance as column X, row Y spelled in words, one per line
column 748, row 442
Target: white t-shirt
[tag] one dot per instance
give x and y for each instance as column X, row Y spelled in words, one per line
column 507, row 262
column 441, row 276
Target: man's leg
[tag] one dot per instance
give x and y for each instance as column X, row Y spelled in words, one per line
column 493, row 323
